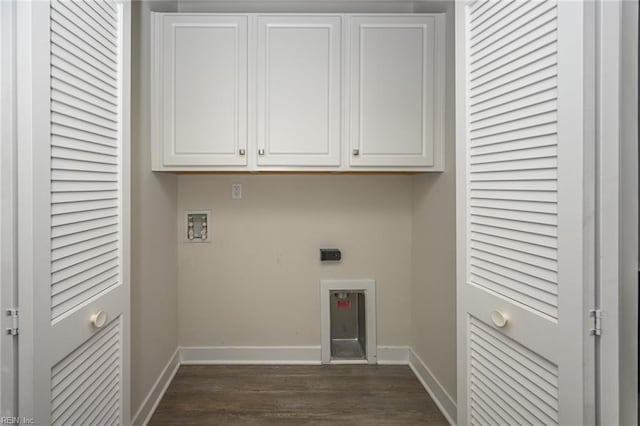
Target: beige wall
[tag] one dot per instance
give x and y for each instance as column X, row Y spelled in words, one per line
column 153, row 222
column 258, row 281
column 433, row 290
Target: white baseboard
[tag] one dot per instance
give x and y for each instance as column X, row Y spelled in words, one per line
column 393, row 355
column 263, row 355
column 150, row 403
column 277, row 355
column 433, row 387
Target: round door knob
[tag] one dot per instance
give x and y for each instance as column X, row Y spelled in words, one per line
column 99, row 319
column 499, row 319
column 242, row 151
column 261, row 152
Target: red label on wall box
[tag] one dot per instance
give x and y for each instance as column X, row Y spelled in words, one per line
column 344, row 304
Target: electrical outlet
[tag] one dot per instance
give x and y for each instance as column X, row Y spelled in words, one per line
column 236, row 191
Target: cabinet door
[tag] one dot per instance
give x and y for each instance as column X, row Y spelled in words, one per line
column 395, row 64
column 299, row 90
column 204, row 88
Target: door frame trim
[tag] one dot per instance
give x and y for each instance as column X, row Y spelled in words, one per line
column 617, row 210
column 8, row 214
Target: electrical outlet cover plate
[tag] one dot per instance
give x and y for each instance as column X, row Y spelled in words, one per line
column 199, row 216
column 236, row 191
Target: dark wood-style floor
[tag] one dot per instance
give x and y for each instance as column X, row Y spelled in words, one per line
column 293, row 395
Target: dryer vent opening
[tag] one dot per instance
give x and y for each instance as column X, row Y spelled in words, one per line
column 348, row 325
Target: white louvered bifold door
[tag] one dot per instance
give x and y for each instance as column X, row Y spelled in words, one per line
column 524, row 146
column 78, row 341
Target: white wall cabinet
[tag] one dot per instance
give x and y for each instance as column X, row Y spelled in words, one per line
column 294, row 92
column 396, row 64
column 201, row 91
column 299, row 90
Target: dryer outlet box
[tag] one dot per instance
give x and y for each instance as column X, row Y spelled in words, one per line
column 330, row 255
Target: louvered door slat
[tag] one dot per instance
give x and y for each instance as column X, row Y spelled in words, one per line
column 68, row 99
column 514, row 42
column 517, row 58
column 526, row 377
column 85, row 379
column 540, row 196
column 510, row 24
column 64, row 29
column 70, row 83
column 81, row 165
column 515, row 89
column 479, row 417
column 93, row 82
column 521, row 398
column 498, row 12
column 503, row 411
column 514, row 153
column 478, row 7
column 489, row 417
column 94, row 117
column 70, row 197
column 85, row 163
column 79, row 186
column 78, row 123
column 107, row 408
column 510, row 230
column 500, row 269
column 82, row 147
column 82, row 17
column 64, row 57
column 75, row 257
column 103, row 17
column 62, row 152
column 81, row 294
column 59, row 130
column 77, row 92
column 109, row 7
column 539, row 104
column 542, row 130
column 74, row 376
column 512, row 140
column 77, row 275
column 106, row 28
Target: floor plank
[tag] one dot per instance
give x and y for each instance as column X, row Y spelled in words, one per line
column 293, row 395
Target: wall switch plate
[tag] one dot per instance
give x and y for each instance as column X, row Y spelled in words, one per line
column 236, row 191
column 197, row 226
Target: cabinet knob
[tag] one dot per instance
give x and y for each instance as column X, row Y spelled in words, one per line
column 261, row 152
column 356, row 152
column 242, row 151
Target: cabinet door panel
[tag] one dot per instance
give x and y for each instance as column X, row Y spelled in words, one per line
column 299, row 91
column 205, row 90
column 393, row 74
